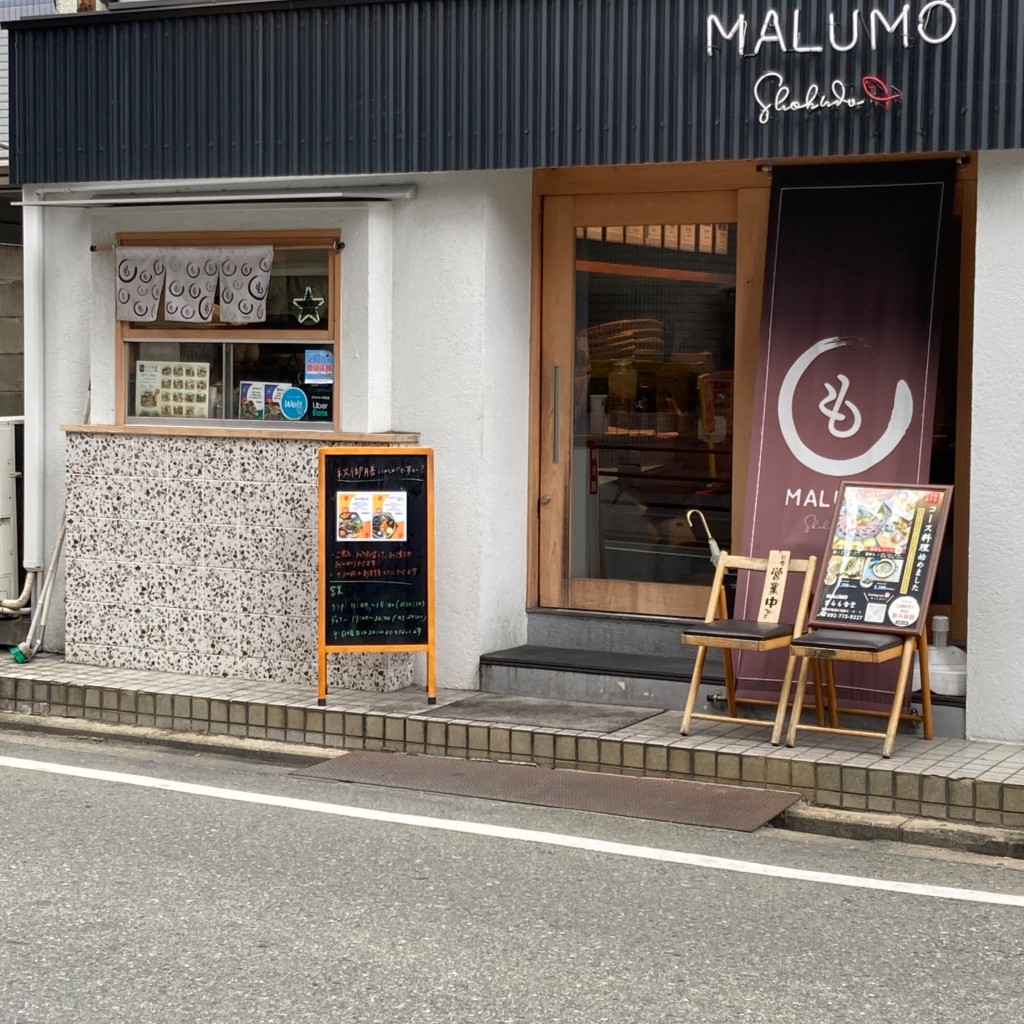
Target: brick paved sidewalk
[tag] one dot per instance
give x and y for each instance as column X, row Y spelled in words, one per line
column 957, row 780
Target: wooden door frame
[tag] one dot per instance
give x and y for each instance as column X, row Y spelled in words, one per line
column 559, row 212
column 608, row 181
column 966, row 208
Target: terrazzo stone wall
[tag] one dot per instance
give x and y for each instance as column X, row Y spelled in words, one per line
column 198, row 555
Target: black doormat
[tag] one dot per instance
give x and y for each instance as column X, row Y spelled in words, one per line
column 685, row 803
column 496, row 709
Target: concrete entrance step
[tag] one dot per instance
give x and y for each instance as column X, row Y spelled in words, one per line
column 603, row 631
column 599, row 676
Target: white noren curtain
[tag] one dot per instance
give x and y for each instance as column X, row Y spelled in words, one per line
column 188, row 277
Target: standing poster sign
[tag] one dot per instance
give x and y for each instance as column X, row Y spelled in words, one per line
column 848, row 357
column 879, row 566
column 376, row 529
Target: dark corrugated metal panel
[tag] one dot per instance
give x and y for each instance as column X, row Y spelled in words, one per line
column 420, row 85
column 13, row 10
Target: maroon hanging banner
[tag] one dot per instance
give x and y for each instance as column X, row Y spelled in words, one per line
column 847, row 363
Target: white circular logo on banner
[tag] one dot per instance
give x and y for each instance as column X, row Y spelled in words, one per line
column 837, row 410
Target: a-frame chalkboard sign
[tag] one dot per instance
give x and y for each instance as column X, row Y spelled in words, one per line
column 376, row 527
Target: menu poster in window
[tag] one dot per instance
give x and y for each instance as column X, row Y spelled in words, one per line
column 879, row 565
column 164, row 388
column 376, row 552
column 318, row 366
column 259, row 400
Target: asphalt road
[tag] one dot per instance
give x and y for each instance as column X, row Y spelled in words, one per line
column 126, row 903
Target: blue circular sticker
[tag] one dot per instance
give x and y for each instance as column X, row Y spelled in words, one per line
column 294, row 404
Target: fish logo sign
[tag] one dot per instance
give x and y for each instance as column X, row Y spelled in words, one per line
column 879, row 91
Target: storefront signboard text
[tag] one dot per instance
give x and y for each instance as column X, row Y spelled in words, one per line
column 866, row 29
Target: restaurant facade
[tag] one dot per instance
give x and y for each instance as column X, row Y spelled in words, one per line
column 613, row 261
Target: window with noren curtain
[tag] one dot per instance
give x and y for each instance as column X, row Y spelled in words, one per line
column 230, row 328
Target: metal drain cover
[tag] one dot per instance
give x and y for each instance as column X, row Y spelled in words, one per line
column 739, row 809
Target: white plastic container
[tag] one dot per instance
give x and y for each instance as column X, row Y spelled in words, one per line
column 947, row 666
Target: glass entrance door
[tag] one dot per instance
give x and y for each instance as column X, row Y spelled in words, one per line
column 639, row 398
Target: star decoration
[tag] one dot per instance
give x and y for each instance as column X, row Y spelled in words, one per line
column 308, row 307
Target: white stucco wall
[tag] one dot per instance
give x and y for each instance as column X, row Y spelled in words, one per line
column 67, row 312
column 995, row 676
column 506, row 385
column 79, row 320
column 435, row 339
column 461, row 377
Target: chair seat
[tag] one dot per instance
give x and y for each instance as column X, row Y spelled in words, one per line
column 848, row 640
column 739, row 629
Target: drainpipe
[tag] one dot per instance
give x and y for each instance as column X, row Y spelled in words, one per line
column 15, row 607
column 35, row 386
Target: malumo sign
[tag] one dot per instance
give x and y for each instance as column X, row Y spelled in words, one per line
column 930, row 24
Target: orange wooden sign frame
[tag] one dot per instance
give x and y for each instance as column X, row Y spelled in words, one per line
column 381, row 454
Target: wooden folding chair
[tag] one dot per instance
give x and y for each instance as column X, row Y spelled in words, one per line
column 874, row 648
column 765, row 633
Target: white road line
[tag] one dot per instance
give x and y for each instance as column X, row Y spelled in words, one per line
column 472, row 828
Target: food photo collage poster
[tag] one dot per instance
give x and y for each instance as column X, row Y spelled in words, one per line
column 167, row 388
column 882, row 557
column 372, row 516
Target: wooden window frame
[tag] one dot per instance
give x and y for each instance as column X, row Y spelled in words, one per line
column 329, row 336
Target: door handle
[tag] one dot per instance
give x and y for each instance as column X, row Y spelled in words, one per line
column 545, row 499
column 555, row 403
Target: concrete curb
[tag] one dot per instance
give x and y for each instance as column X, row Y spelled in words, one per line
column 994, row 841
column 864, row 826
column 265, row 750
